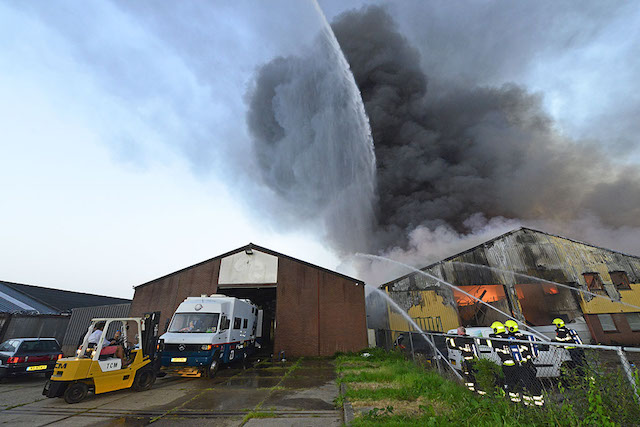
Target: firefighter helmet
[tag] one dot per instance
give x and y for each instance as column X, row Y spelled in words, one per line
column 497, row 327
column 558, row 322
column 511, row 326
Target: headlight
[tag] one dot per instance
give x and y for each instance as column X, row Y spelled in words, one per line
column 160, row 345
column 206, row 347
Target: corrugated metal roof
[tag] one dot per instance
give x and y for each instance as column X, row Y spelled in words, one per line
column 49, row 300
column 13, row 301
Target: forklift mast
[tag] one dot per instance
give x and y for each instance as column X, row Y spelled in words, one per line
column 150, row 333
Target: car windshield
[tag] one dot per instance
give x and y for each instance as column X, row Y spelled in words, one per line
column 11, row 345
column 194, row 322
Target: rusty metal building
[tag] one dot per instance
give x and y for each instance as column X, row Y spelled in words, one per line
column 308, row 310
column 513, row 264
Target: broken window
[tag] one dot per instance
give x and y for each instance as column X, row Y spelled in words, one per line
column 607, row 323
column 634, row 321
column 540, row 303
column 594, row 283
column 474, row 313
column 620, row 279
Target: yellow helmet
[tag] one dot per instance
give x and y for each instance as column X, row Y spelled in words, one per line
column 558, row 322
column 497, row 327
column 511, row 326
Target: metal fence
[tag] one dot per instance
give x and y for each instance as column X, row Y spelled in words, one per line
column 549, row 375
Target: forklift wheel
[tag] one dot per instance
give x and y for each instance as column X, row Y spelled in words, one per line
column 76, row 392
column 144, row 379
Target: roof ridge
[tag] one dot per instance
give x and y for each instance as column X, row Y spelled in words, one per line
column 57, row 290
column 521, row 228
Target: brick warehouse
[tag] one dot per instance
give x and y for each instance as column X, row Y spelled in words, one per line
column 308, row 310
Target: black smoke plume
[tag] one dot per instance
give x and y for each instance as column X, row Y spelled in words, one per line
column 466, row 152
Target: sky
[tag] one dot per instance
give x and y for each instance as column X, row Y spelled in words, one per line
column 124, row 145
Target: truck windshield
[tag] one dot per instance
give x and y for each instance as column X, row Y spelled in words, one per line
column 194, row 322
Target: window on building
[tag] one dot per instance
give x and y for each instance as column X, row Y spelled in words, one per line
column 237, row 322
column 620, row 279
column 606, row 321
column 634, row 321
column 244, row 323
column 594, row 283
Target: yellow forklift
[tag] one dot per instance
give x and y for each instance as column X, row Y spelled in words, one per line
column 96, row 368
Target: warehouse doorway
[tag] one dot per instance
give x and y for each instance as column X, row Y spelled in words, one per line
column 265, row 298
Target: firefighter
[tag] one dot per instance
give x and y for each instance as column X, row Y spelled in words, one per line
column 469, row 352
column 525, row 371
column 503, row 350
column 569, row 336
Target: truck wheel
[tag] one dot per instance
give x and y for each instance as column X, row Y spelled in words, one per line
column 144, row 379
column 213, row 369
column 76, row 392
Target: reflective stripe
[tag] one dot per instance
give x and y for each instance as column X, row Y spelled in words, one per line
column 509, row 362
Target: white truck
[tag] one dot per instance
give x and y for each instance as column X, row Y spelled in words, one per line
column 548, row 363
column 207, row 331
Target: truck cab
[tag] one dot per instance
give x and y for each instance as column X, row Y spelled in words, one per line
column 208, row 331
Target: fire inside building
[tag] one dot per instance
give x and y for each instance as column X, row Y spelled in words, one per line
column 512, row 262
column 308, row 310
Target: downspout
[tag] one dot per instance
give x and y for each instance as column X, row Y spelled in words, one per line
column 318, row 287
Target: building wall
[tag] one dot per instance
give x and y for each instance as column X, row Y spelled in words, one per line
column 532, row 253
column 425, row 304
column 317, row 313
column 623, row 336
column 166, row 294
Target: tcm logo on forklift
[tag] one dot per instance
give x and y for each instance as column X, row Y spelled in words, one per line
column 108, row 365
column 98, row 366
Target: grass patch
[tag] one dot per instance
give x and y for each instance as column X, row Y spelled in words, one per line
column 386, row 389
column 258, row 414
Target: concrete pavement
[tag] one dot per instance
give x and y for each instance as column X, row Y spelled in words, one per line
column 291, row 393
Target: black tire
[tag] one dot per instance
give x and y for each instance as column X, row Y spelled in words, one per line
column 76, row 392
column 212, row 370
column 144, row 379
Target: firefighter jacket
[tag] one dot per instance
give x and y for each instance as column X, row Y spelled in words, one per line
column 502, row 349
column 523, row 353
column 567, row 335
column 465, row 344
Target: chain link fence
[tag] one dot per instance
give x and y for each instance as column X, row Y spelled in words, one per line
column 576, row 381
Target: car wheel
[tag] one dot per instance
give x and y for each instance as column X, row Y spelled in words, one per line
column 76, row 392
column 144, row 379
